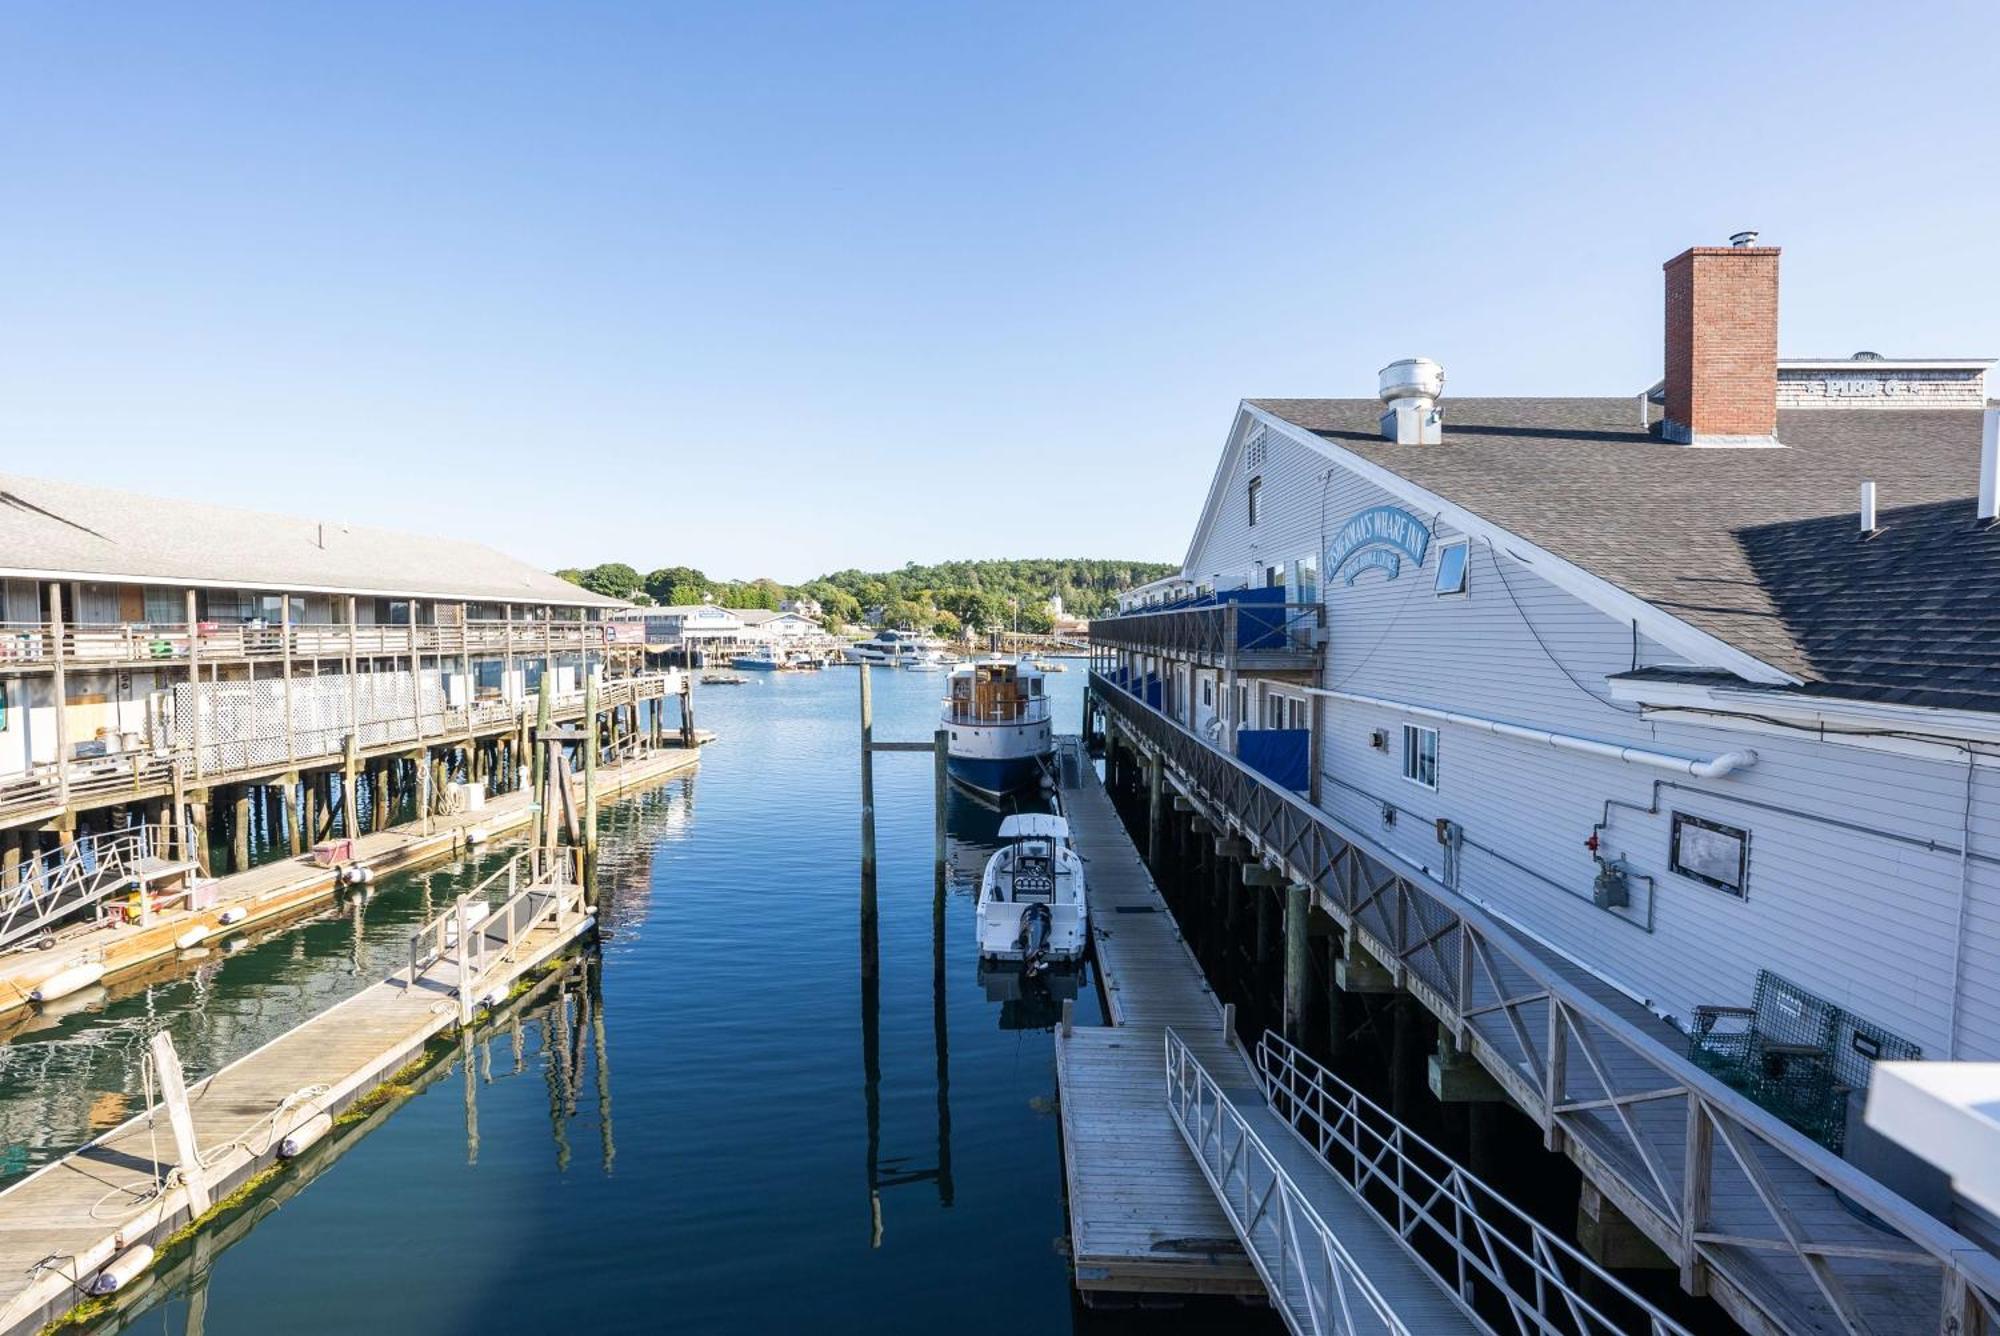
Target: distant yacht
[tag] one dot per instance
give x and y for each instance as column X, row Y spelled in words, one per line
column 898, row 649
column 998, row 718
column 765, row 660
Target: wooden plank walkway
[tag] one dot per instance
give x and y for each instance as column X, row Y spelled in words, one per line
column 1142, row 1219
column 74, row 1205
column 292, row 884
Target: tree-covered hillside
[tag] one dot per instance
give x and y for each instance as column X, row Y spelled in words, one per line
column 946, row 597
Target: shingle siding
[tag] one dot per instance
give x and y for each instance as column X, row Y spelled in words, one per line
column 1869, row 920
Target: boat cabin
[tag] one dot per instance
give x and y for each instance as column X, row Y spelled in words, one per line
column 994, row 693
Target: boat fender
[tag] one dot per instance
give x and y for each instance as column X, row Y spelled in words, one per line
column 494, row 997
column 66, row 981
column 193, row 936
column 233, row 914
column 477, row 835
column 235, row 944
column 358, row 874
column 304, row 1134
column 95, row 1256
column 122, row 1270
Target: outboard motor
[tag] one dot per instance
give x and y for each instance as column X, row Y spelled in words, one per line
column 1034, row 939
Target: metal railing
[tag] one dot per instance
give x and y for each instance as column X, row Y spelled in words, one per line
column 1317, row 1285
column 540, row 884
column 1220, row 635
column 1488, row 1246
column 1027, row 710
column 46, row 889
column 1664, row 1140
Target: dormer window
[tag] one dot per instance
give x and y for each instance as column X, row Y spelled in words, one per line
column 1256, row 486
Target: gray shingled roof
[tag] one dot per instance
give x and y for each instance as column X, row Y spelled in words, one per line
column 52, row 528
column 1759, row 548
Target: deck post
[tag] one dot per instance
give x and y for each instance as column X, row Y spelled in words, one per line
column 285, row 648
column 867, row 777
column 1155, row 800
column 589, row 778
column 350, row 825
column 194, row 682
column 61, row 693
column 1298, row 903
column 940, row 783
column 173, row 1090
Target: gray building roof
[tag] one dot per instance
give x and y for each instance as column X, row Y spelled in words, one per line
column 53, row 529
column 1759, row 548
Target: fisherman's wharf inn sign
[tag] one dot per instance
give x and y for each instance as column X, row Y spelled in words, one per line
column 1377, row 538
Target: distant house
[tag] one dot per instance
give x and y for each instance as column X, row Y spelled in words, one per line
column 874, row 614
column 675, row 626
column 762, row 625
column 804, row 607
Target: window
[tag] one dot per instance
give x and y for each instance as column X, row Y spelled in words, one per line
column 1274, row 576
column 1208, row 693
column 1242, row 704
column 1711, row 853
column 1451, row 569
column 165, row 606
column 1307, row 590
column 1256, row 486
column 1274, row 711
column 1420, row 755
column 1295, row 714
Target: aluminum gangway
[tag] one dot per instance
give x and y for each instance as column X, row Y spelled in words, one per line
column 54, row 886
column 1358, row 1226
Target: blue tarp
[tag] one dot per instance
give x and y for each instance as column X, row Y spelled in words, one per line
column 1281, row 755
column 1152, row 692
column 1260, row 617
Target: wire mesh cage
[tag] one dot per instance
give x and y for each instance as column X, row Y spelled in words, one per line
column 1795, row 1053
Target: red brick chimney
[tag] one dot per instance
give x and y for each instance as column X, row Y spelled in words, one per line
column 1722, row 344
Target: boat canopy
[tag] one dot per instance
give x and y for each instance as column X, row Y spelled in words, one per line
column 1034, row 826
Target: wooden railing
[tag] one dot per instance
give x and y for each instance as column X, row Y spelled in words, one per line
column 35, row 644
column 1751, row 1210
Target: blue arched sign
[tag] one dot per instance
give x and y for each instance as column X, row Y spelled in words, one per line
column 1377, row 538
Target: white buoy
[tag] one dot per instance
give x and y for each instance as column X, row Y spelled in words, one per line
column 233, row 914
column 236, row 943
column 358, row 875
column 194, row 936
column 494, row 997
column 477, row 834
column 66, row 981
column 127, row 1267
column 304, row 1134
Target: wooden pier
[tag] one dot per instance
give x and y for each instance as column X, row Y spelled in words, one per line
column 132, row 1185
column 291, row 885
column 1142, row 1219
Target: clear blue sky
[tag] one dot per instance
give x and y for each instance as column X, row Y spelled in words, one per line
column 779, row 289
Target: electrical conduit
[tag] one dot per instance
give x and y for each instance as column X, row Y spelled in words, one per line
column 1716, row 767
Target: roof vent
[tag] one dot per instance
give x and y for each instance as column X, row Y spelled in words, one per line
column 1410, row 389
column 1865, row 356
column 1742, row 238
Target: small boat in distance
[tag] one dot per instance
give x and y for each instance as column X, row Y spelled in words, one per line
column 765, row 660
column 998, row 720
column 721, row 678
column 1031, row 896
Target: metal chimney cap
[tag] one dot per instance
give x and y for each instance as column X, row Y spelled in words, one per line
column 1742, row 238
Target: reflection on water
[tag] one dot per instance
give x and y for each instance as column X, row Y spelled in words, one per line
column 755, row 1121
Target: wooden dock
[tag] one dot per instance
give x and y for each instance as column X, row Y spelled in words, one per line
column 108, row 1196
column 290, row 885
column 1142, row 1219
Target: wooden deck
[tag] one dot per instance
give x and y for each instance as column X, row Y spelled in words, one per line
column 292, row 884
column 74, row 1205
column 1142, row 1219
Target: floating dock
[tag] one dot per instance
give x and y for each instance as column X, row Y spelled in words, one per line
column 290, row 885
column 1142, row 1219
column 126, row 1188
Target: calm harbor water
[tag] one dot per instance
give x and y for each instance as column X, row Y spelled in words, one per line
column 729, row 1132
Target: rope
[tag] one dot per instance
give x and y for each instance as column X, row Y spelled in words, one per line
column 1501, row 567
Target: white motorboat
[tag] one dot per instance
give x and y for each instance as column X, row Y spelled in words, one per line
column 898, row 649
column 1031, row 901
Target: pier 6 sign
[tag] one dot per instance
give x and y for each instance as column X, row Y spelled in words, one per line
column 1377, row 538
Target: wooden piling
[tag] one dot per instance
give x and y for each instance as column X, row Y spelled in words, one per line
column 940, row 782
column 867, row 777
column 1298, row 907
column 590, row 778
column 239, row 844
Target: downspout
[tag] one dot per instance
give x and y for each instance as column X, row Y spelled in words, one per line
column 1716, row 767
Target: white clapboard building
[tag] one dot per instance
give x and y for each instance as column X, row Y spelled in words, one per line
column 1681, row 702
